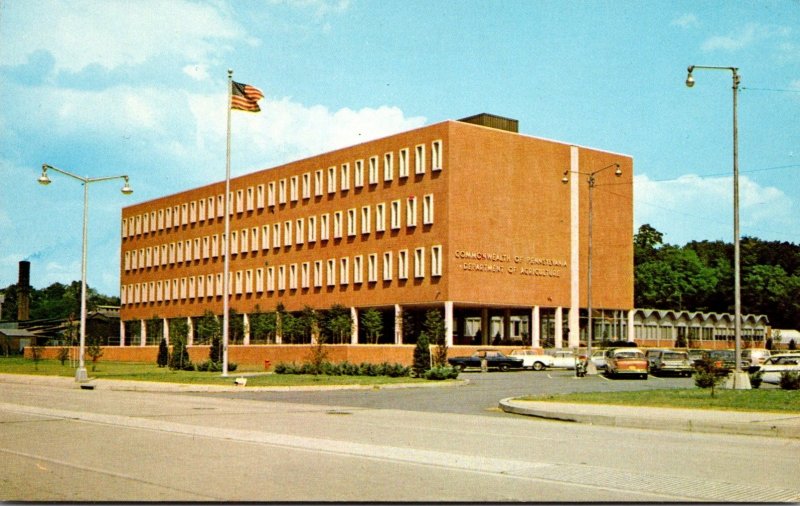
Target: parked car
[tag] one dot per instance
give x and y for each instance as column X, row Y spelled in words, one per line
column 599, row 359
column 627, row 362
column 651, row 355
column 772, row 368
column 533, row 359
column 495, row 359
column 755, row 357
column 670, row 362
column 725, row 361
column 696, row 354
column 563, row 358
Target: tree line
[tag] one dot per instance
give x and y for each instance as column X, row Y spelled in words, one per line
column 57, row 301
column 699, row 276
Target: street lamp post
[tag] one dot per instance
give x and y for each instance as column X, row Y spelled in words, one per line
column 80, row 373
column 740, row 379
column 590, row 367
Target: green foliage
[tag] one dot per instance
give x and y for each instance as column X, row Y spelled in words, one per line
column 163, row 353
column 208, row 327
column 179, row 360
column 56, row 301
column 155, row 328
column 435, row 331
column 209, row 366
column 337, row 324
column 756, row 378
column 263, row 326
column 344, row 369
column 790, row 380
column 63, row 354
column 441, row 373
column 215, row 350
column 422, row 355
column 36, row 354
column 94, row 350
column 707, row 374
column 372, row 322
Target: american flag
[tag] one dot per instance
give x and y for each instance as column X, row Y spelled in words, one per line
column 245, row 97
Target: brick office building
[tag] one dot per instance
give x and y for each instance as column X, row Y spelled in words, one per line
column 467, row 216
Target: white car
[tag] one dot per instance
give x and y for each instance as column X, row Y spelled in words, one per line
column 776, row 364
column 563, row 358
column 533, row 360
column 599, row 359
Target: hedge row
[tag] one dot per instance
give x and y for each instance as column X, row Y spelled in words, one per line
column 344, row 369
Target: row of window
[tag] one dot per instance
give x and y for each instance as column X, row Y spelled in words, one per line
column 284, row 234
column 285, row 190
column 317, row 274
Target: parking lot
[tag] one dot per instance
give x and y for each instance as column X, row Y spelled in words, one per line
column 479, row 394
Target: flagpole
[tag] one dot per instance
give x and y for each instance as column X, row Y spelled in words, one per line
column 226, row 268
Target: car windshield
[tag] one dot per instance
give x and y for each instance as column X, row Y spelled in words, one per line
column 629, row 354
column 674, row 355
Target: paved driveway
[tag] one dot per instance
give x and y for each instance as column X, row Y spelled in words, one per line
column 480, row 395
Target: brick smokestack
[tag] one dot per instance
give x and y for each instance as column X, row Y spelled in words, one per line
column 24, row 291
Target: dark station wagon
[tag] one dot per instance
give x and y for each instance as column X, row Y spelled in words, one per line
column 495, row 359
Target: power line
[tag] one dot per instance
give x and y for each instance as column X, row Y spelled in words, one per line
column 780, row 90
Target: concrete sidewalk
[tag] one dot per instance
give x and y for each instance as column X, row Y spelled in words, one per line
column 753, row 423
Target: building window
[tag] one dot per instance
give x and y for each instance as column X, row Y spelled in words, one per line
column 210, row 209
column 239, row 201
column 373, row 170
column 387, row 266
column 318, row 273
column 365, row 220
column 318, row 183
column 402, row 163
column 294, row 191
column 344, row 268
column 271, row 194
column 436, row 155
column 411, row 212
column 234, row 242
column 324, row 230
column 337, row 225
column 201, row 210
column 259, row 280
column 345, row 177
column 358, row 174
column 312, row 229
column 304, row 275
column 214, row 246
column 419, row 263
column 372, row 268
column 380, row 217
column 254, row 239
column 351, row 222
column 419, row 159
column 220, row 208
column 184, row 214
column 293, row 277
column 287, row 233
column 239, row 283
column 251, row 200
column 306, row 186
column 299, row 230
column 331, row 272
column 260, row 196
column 331, row 179
column 179, row 255
column 270, row 279
column 206, row 248
column 402, row 264
column 436, row 261
column 192, row 215
column 209, row 285
column 201, row 287
column 281, row 278
column 276, row 235
column 427, row 209
column 265, row 237
column 244, row 237
column 282, row 191
column 358, row 269
column 167, row 222
column 388, row 166
column 395, row 215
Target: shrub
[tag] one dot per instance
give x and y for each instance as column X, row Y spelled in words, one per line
column 163, row 353
column 441, row 373
column 422, row 355
column 63, row 355
column 756, row 378
column 790, row 380
column 706, row 374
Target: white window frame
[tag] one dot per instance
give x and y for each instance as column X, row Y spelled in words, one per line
column 337, row 225
column 318, row 274
column 358, row 269
column 318, row 188
column 264, row 237
column 287, row 232
column 331, row 179
column 270, row 283
column 344, row 271
column 419, row 159
column 436, row 155
column 239, row 201
column 312, row 229
column 373, row 170
column 394, row 215
column 388, row 167
column 281, row 278
column 411, row 211
column 282, row 191
column 366, row 223
column 260, row 196
column 306, row 185
column 344, row 177
column 427, row 209
column 380, row 217
column 276, row 235
column 305, row 279
column 419, row 263
column 402, row 264
column 387, row 266
column 294, row 191
column 330, row 272
column 372, row 268
column 358, row 174
column 250, row 200
column 436, row 260
column 259, row 280
column 324, row 227
column 299, row 229
column 352, row 222
column 293, row 277
column 402, row 163
column 271, row 194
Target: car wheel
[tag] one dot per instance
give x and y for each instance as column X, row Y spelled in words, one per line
column 538, row 366
column 460, row 367
column 644, row 376
column 503, row 367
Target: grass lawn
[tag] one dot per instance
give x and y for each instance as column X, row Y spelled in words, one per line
column 782, row 401
column 151, row 372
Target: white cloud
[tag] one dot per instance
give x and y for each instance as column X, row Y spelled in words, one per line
column 752, row 33
column 696, row 208
column 198, row 72
column 113, row 34
column 685, row 21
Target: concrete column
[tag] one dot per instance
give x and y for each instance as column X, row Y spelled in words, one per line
column 190, row 333
column 574, row 316
column 631, row 327
column 559, row 327
column 535, row 328
column 398, row 324
column 121, row 333
column 507, row 323
column 246, row 340
column 278, row 329
column 165, row 327
column 142, row 333
column 354, row 330
column 448, row 323
column 484, row 326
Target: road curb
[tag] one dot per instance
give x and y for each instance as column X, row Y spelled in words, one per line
column 756, row 424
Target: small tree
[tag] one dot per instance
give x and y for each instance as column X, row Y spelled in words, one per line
column 262, row 326
column 707, row 374
column 435, row 330
column 422, row 356
column 163, row 353
column 372, row 321
column 94, row 350
column 178, row 331
column 215, row 350
column 208, row 327
column 337, row 323
column 63, row 354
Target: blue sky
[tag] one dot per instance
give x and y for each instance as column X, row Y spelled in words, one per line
column 102, row 88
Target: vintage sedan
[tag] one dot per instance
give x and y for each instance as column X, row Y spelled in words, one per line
column 772, row 368
column 533, row 359
column 495, row 359
column 626, row 362
column 670, row 362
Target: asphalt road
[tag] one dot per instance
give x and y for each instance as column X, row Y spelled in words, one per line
column 61, row 443
column 479, row 396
